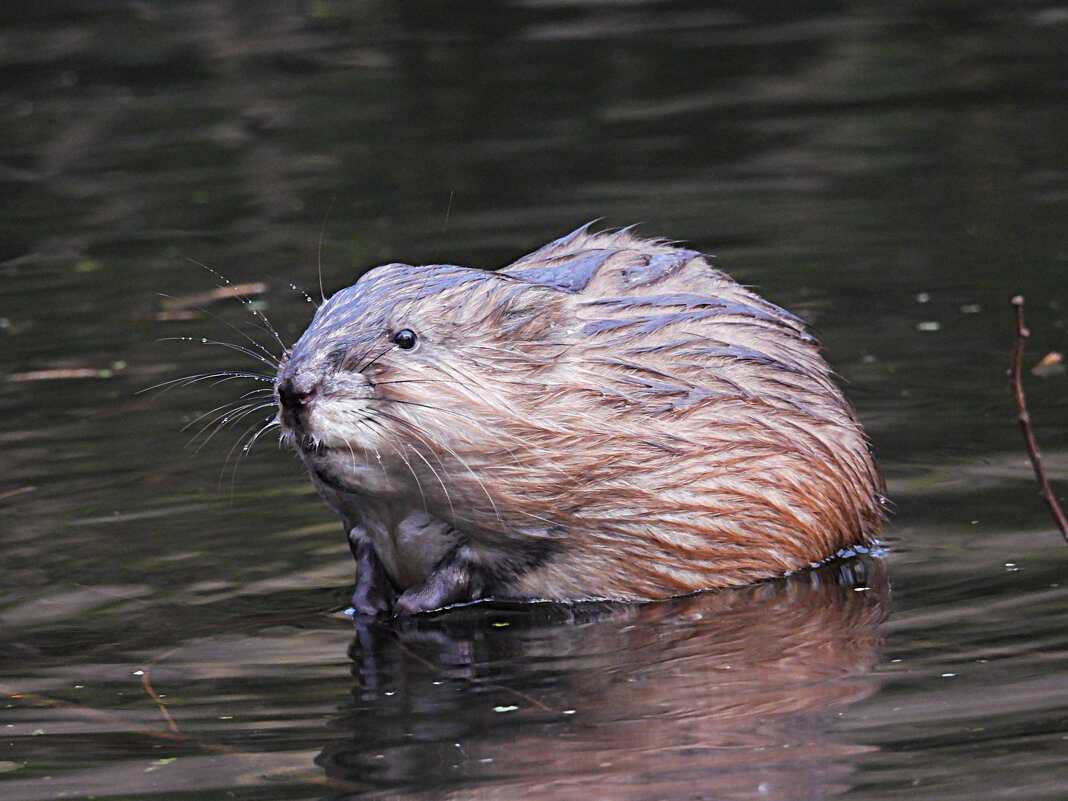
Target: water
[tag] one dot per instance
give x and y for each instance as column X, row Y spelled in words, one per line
column 170, row 627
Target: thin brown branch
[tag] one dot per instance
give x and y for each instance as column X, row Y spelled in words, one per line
column 1025, row 419
column 147, row 684
column 88, row 712
column 163, row 737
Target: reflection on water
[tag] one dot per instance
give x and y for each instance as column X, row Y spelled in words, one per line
column 724, row 695
column 729, row 694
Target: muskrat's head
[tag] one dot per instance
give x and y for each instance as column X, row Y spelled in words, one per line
column 397, row 379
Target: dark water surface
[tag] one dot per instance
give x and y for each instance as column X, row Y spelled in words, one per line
column 168, row 628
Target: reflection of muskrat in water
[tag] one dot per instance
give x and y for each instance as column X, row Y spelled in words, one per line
column 609, row 417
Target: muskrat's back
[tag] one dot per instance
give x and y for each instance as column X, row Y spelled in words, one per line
column 608, row 417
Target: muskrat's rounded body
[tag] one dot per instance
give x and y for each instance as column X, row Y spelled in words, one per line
column 608, row 417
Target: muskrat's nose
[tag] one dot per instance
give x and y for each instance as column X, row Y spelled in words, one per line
column 294, row 396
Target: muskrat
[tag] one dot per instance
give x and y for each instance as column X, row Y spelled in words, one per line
column 608, row 417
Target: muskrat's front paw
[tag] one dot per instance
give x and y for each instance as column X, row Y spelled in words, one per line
column 373, row 594
column 452, row 583
column 371, row 601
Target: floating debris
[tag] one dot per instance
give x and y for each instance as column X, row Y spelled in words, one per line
column 186, row 306
column 1050, row 364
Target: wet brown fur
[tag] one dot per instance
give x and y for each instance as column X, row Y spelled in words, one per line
column 608, row 417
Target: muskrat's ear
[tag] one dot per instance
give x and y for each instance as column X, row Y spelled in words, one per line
column 527, row 311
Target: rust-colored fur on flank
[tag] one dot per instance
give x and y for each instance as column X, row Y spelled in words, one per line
column 608, row 417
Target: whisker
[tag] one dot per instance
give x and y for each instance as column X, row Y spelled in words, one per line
column 232, row 406
column 319, row 254
column 375, row 359
column 223, row 419
column 270, row 360
column 265, row 354
column 247, row 302
column 501, row 435
column 367, row 425
column 267, row 423
column 418, row 435
column 418, row 484
column 222, row 375
column 230, row 459
column 457, row 457
column 263, row 391
column 272, row 422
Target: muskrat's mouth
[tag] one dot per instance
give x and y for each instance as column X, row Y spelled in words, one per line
column 308, row 445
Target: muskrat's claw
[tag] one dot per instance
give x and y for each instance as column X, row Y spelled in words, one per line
column 374, row 594
column 453, row 581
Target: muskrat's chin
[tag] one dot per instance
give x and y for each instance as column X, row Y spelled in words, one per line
column 306, row 444
column 347, row 466
column 303, row 444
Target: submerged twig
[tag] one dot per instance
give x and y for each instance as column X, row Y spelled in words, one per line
column 146, row 683
column 1025, row 420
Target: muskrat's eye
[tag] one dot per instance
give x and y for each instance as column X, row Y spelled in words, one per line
column 405, row 339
